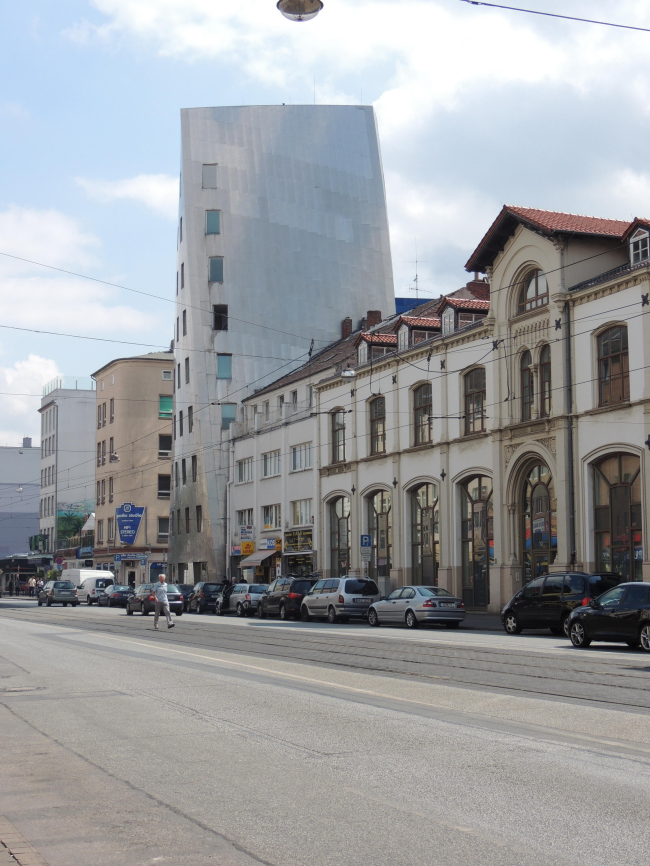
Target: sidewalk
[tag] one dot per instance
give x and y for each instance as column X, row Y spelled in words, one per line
column 477, row 620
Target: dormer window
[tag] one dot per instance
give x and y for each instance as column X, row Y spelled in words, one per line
column 363, row 352
column 639, row 247
column 533, row 292
column 420, row 336
column 403, row 338
column 448, row 321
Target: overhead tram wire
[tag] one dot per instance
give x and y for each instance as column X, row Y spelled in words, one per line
column 557, row 15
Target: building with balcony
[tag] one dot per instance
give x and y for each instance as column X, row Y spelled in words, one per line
column 132, row 458
column 282, row 226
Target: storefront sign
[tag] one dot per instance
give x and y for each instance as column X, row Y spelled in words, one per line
column 247, row 548
column 128, row 518
column 235, row 550
column 270, row 544
column 278, row 544
column 298, row 540
column 82, row 552
column 246, row 533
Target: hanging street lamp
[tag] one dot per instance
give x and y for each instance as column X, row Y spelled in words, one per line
column 300, row 10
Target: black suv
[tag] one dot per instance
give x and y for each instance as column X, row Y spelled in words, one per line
column 547, row 601
column 204, row 597
column 283, row 597
column 620, row 615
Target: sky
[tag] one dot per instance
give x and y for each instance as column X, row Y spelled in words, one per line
column 477, row 107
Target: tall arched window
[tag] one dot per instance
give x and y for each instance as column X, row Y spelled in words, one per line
column 378, row 426
column 539, row 522
column 533, row 292
column 380, row 529
column 422, row 413
column 425, row 535
column 477, row 534
column 339, row 536
column 475, row 401
column 613, row 366
column 617, row 518
column 545, row 382
column 338, row 436
column 527, row 387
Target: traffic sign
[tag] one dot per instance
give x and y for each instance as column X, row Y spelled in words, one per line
column 366, row 541
column 59, row 560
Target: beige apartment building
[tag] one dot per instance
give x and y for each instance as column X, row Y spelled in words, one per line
column 133, row 448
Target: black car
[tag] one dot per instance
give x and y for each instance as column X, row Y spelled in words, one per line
column 186, row 591
column 144, row 600
column 547, row 601
column 283, row 597
column 621, row 615
column 204, row 597
column 114, row 596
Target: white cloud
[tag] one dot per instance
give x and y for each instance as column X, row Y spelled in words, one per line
column 159, row 192
column 19, row 413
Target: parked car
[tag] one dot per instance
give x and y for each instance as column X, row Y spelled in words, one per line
column 93, row 585
column 621, row 615
column 144, row 601
column 245, row 597
column 339, row 598
column 284, row 597
column 58, row 592
column 547, row 601
column 222, row 604
column 413, row 605
column 186, row 591
column 114, row 596
column 204, row 597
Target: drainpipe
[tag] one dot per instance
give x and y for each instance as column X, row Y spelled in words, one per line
column 569, row 409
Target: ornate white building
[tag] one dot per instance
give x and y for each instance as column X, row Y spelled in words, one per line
column 477, row 452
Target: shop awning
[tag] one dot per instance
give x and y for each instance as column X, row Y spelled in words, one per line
column 298, row 552
column 256, row 558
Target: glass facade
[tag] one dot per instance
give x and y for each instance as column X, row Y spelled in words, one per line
column 339, row 515
column 380, row 529
column 539, row 522
column 477, row 539
column 425, row 535
column 618, row 516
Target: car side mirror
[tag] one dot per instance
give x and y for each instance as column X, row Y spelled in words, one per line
column 383, row 598
column 593, row 603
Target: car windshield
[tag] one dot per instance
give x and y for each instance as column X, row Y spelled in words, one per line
column 211, row 587
column 433, row 591
column 121, row 588
column 63, row 584
column 361, row 587
column 599, row 583
column 258, row 587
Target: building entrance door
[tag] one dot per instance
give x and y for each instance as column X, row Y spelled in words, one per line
column 477, row 540
column 539, row 529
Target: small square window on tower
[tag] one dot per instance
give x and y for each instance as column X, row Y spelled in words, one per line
column 209, row 176
column 213, row 222
column 216, row 269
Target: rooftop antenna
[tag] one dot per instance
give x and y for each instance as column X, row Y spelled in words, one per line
column 416, row 278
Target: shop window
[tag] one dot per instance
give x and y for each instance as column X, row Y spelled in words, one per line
column 618, row 518
column 380, row 529
column 339, row 519
column 425, row 535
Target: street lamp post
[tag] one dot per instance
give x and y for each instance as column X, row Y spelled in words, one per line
column 300, row 10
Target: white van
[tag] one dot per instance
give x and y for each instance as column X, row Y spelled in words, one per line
column 89, row 583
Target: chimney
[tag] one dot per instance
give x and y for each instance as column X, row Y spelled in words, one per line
column 373, row 318
column 27, row 441
column 346, row 328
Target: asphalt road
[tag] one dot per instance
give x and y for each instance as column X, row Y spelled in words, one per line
column 239, row 741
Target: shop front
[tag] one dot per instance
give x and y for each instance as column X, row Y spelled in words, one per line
column 298, row 553
column 259, row 567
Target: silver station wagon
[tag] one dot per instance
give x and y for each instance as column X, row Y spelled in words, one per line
column 339, row 598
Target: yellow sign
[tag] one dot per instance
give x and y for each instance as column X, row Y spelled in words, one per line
column 247, row 547
column 278, row 544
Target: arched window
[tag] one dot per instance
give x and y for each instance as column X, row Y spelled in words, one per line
column 545, row 382
column 617, row 518
column 425, row 535
column 339, row 536
column 475, row 401
column 378, row 426
column 338, row 436
column 527, row 387
column 539, row 522
column 477, row 534
column 533, row 292
column 613, row 366
column 422, row 413
column 381, row 531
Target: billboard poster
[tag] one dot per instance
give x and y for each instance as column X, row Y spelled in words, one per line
column 128, row 518
column 71, row 516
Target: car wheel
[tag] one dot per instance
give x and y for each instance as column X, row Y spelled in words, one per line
column 305, row 616
column 578, row 635
column 373, row 618
column 88, row 601
column 199, row 609
column 260, row 611
column 511, row 624
column 129, row 612
column 40, row 602
column 644, row 637
column 65, row 604
column 452, row 624
column 332, row 618
column 411, row 619
column 217, row 610
column 48, row 603
column 240, row 609
column 284, row 613
column 565, row 625
column 110, row 602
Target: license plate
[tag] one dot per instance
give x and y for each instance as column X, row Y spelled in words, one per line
column 447, row 604
column 361, row 600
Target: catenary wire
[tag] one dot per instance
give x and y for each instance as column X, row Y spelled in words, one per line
column 556, row 15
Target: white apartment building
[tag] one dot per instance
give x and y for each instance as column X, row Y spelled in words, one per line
column 480, row 453
column 282, row 222
column 19, row 493
column 67, row 478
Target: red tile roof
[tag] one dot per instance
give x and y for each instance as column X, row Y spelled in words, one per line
column 548, row 222
column 418, row 322
column 637, row 223
column 382, row 339
column 465, row 304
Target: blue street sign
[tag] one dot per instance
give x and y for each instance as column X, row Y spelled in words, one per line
column 128, row 518
column 366, row 542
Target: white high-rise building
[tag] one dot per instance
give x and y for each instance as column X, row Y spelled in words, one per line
column 283, row 233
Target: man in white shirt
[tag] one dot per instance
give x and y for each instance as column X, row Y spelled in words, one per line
column 162, row 603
